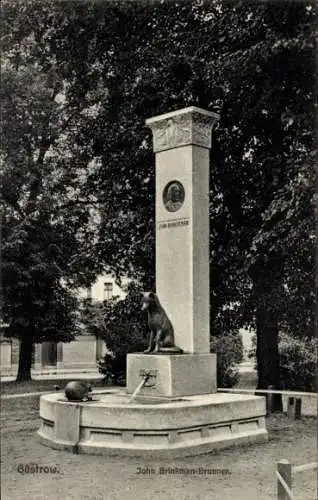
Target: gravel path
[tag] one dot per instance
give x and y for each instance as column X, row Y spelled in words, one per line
column 250, row 476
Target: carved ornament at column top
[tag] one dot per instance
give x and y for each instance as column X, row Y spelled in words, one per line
column 181, row 128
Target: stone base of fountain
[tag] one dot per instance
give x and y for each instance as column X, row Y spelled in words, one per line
column 172, row 375
column 111, row 424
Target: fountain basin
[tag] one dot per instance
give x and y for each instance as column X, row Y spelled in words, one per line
column 111, row 424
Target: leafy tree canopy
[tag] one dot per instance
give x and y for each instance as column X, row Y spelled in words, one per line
column 103, row 68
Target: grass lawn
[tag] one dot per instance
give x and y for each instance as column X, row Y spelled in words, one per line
column 40, row 385
column 252, row 469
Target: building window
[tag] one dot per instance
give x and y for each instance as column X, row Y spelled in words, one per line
column 89, row 293
column 108, row 290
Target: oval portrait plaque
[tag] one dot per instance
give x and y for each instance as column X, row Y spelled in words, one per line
column 173, row 196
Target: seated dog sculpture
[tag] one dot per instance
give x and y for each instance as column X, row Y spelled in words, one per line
column 161, row 330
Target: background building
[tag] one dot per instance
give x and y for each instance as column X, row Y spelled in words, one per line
column 81, row 354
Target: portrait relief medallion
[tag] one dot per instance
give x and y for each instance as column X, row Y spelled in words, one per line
column 173, row 196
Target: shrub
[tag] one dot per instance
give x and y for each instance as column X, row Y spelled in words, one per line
column 126, row 327
column 298, row 362
column 121, row 324
column 229, row 350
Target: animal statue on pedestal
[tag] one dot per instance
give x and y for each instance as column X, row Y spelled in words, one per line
column 161, row 330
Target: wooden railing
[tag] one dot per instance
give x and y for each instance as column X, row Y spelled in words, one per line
column 294, row 398
column 284, row 473
column 271, row 391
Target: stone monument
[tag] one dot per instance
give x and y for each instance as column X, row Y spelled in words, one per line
column 170, row 407
column 182, row 142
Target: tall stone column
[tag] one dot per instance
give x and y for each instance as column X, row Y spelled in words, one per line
column 182, row 142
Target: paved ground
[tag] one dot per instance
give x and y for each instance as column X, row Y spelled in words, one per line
column 250, row 470
column 247, row 367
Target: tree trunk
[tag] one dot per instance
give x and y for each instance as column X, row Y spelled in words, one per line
column 25, row 358
column 267, row 353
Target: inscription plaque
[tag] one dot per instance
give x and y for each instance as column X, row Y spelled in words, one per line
column 175, row 223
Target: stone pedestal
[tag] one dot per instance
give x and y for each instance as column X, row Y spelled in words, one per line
column 172, row 375
column 182, row 142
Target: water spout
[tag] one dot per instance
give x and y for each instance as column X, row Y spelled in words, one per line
column 139, row 387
